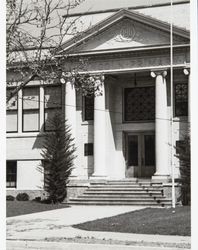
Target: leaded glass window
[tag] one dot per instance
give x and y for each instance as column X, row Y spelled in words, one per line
column 181, row 99
column 139, row 104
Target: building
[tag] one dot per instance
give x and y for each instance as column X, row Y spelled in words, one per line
column 127, row 132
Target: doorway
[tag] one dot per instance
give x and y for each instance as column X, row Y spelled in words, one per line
column 140, row 154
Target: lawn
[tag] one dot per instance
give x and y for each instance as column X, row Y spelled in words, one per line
column 14, row 208
column 162, row 221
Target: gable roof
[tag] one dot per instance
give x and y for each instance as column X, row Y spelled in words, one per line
column 101, row 26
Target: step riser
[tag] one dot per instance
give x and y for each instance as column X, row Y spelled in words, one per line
column 141, row 192
column 120, row 204
column 120, row 200
column 123, row 196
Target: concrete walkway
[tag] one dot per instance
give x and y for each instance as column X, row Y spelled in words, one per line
column 56, row 225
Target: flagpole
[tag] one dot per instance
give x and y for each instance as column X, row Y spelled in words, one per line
column 172, row 110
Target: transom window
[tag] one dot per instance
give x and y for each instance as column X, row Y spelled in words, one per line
column 11, row 174
column 181, row 99
column 139, row 104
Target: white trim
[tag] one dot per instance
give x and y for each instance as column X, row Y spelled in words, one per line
column 128, row 70
column 134, row 49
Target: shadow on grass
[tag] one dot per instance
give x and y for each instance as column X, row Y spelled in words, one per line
column 15, row 208
column 163, row 221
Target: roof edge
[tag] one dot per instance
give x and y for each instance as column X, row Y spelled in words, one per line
column 117, row 9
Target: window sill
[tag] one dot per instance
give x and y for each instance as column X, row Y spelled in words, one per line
column 180, row 119
column 87, row 122
column 25, row 134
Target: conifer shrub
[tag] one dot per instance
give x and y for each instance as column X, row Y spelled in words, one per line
column 58, row 155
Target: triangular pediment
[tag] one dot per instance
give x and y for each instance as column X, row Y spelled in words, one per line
column 126, row 29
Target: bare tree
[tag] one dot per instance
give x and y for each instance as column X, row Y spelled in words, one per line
column 35, row 30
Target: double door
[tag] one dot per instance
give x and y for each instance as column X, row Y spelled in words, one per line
column 140, row 154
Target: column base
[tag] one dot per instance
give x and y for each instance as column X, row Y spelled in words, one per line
column 161, row 178
column 98, row 177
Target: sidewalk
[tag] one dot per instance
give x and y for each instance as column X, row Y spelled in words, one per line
column 56, row 225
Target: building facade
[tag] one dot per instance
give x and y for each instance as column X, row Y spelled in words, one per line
column 131, row 130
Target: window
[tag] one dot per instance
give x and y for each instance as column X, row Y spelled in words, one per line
column 181, row 99
column 88, row 149
column 46, row 172
column 31, row 109
column 11, row 174
column 12, row 113
column 53, row 104
column 179, row 145
column 139, row 104
column 88, row 108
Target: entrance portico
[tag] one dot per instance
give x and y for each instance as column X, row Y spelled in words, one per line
column 130, row 133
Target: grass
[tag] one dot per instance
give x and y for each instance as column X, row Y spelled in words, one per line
column 14, row 208
column 162, row 221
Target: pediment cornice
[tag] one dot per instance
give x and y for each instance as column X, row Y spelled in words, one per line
column 109, row 22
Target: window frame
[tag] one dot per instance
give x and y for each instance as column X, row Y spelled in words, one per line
column 88, row 149
column 51, row 108
column 15, row 174
column 35, row 109
column 175, row 104
column 85, row 107
column 123, row 105
column 13, row 111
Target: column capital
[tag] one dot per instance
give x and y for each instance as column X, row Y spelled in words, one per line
column 186, row 71
column 155, row 73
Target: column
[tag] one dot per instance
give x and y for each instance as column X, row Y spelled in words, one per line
column 187, row 73
column 20, row 111
column 99, row 135
column 70, row 114
column 161, row 125
column 70, row 107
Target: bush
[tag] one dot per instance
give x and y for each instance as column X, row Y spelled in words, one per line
column 37, row 199
column 10, row 198
column 22, row 197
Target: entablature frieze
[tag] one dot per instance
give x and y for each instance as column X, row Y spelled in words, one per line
column 133, row 60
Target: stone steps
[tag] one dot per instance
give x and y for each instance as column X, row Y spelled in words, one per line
column 127, row 192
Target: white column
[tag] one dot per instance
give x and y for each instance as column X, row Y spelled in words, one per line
column 99, row 135
column 161, row 125
column 187, row 73
column 70, row 107
column 70, row 115
column 42, row 108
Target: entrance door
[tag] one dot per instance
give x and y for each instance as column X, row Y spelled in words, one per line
column 140, row 154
